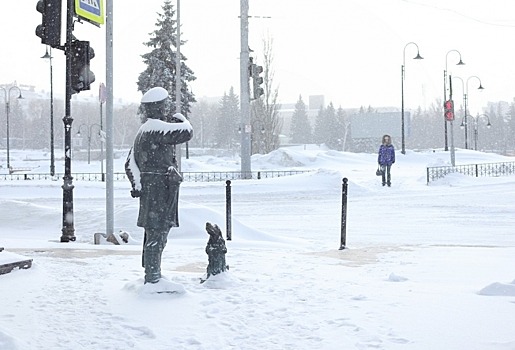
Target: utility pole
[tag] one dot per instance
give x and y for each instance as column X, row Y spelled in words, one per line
column 109, row 121
column 178, row 150
column 178, row 62
column 245, row 126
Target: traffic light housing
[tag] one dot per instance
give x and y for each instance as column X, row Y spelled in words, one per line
column 449, row 110
column 257, row 81
column 50, row 28
column 81, row 75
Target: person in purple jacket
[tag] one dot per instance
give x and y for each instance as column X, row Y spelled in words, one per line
column 385, row 158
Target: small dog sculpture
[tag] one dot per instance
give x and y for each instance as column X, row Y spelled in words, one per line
column 215, row 250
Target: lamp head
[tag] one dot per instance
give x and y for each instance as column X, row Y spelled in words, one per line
column 418, row 57
column 46, row 56
column 460, row 63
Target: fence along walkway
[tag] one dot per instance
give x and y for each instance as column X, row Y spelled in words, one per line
column 477, row 170
column 188, row 176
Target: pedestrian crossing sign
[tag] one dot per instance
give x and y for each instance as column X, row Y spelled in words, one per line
column 90, row 10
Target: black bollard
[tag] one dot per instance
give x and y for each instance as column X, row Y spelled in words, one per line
column 343, row 238
column 228, row 209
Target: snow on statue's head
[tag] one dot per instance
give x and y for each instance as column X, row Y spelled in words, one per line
column 153, row 102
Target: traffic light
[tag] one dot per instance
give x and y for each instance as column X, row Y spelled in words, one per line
column 257, row 80
column 50, row 28
column 82, row 77
column 449, row 110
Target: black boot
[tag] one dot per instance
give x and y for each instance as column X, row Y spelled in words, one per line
column 152, row 265
column 155, row 241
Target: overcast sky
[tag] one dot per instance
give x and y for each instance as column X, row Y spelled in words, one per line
column 350, row 51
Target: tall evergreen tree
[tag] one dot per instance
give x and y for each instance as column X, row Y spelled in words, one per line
column 510, row 119
column 333, row 127
column 300, row 128
column 344, row 128
column 161, row 62
column 227, row 120
column 203, row 119
column 319, row 135
column 327, row 128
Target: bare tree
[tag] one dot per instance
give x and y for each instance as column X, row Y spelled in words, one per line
column 127, row 124
column 266, row 125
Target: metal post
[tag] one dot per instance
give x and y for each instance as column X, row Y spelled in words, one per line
column 460, row 63
column 475, row 134
column 178, row 62
column 68, row 230
column 89, row 144
column 417, row 57
column 102, row 99
column 403, row 150
column 445, row 99
column 7, row 115
column 5, row 100
column 228, row 210
column 343, row 235
column 244, row 91
column 109, row 121
column 466, row 102
column 451, row 123
column 465, row 121
column 7, row 95
column 178, row 102
column 52, row 155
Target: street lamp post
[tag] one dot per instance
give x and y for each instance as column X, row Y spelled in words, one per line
column 465, row 89
column 7, row 96
column 460, row 63
column 102, row 98
column 476, row 121
column 89, row 131
column 466, row 103
column 417, row 57
column 48, row 55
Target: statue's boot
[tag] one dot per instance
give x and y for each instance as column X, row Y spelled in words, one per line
column 155, row 241
column 152, row 261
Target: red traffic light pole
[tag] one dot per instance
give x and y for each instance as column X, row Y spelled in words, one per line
column 449, row 117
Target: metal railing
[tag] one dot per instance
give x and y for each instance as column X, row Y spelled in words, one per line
column 477, row 170
column 200, row 176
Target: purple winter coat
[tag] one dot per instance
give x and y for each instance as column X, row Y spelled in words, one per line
column 386, row 155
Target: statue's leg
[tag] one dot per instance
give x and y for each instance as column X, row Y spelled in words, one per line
column 152, row 251
column 144, row 243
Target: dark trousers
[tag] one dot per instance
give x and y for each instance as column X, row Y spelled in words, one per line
column 153, row 245
column 386, row 174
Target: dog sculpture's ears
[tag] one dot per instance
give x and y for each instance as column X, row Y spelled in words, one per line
column 213, row 230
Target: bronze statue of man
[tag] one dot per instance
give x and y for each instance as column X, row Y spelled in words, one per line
column 151, row 167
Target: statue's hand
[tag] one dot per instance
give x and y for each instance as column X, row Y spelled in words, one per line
column 135, row 193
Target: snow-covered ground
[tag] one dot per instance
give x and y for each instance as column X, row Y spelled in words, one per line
column 426, row 266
